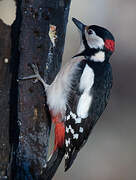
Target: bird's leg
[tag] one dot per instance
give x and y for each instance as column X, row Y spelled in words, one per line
column 36, row 76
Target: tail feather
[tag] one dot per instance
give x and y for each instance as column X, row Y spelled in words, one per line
column 52, row 164
column 69, row 159
column 59, row 135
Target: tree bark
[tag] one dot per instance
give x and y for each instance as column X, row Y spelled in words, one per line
column 5, row 81
column 29, row 115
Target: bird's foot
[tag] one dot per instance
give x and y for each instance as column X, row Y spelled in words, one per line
column 36, row 76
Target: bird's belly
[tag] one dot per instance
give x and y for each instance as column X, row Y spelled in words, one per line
column 56, row 99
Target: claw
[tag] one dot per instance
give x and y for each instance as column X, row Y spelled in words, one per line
column 35, row 81
column 27, row 77
column 35, row 68
column 36, row 76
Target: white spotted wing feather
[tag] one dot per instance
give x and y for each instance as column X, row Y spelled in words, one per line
column 75, row 117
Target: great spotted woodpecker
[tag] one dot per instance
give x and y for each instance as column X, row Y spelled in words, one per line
column 80, row 92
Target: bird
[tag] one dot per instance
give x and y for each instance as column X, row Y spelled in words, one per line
column 80, row 92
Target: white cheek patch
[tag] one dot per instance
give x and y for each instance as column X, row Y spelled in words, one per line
column 94, row 41
column 98, row 57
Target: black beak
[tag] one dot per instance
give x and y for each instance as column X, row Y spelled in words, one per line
column 79, row 24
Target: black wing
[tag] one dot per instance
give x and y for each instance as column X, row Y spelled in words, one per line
column 77, row 129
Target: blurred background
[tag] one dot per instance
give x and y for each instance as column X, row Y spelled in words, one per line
column 110, row 153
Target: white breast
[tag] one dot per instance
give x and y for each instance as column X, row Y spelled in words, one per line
column 86, row 83
column 58, row 91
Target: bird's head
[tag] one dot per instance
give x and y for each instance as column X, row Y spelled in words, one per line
column 97, row 43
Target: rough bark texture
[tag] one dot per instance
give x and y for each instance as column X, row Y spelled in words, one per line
column 29, row 117
column 5, row 79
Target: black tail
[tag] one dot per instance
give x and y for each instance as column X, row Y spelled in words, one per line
column 70, row 159
column 52, row 164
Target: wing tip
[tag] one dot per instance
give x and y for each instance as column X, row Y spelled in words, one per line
column 66, row 168
column 68, row 165
column 69, row 161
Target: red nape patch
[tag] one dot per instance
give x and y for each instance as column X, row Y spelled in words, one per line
column 59, row 135
column 110, row 44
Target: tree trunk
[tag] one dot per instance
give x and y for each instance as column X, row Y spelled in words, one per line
column 34, row 41
column 5, row 81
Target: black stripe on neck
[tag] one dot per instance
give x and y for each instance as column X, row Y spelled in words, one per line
column 88, row 52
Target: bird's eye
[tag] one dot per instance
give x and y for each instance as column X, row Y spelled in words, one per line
column 90, row 31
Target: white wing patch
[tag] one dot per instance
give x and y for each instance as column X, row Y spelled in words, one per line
column 87, row 79
column 86, row 83
column 66, row 156
column 70, row 129
column 83, row 105
column 73, row 115
column 81, row 130
column 68, row 117
column 67, row 142
column 78, row 120
column 75, row 136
